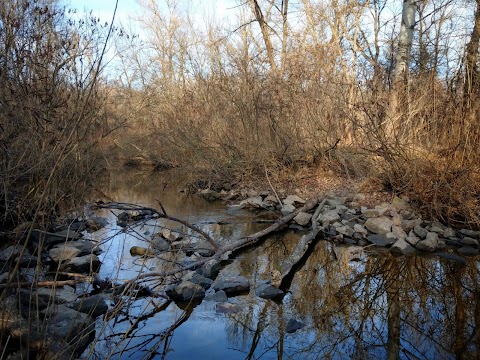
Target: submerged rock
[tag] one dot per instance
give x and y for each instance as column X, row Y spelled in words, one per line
column 227, row 308
column 452, row 257
column 219, row 296
column 293, row 325
column 381, row 240
column 468, row 251
column 141, row 251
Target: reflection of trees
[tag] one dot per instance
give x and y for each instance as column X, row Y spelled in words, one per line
column 382, row 307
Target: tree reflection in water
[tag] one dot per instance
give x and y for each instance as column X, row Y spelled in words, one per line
column 379, row 307
column 382, row 307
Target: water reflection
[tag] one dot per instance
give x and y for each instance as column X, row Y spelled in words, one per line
column 356, row 306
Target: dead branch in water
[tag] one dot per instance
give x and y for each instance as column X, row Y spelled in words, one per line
column 222, row 252
column 160, row 214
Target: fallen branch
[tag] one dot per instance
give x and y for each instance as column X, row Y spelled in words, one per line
column 162, row 215
column 50, row 284
column 223, row 252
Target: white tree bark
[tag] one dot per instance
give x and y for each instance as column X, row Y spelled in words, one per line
column 405, row 40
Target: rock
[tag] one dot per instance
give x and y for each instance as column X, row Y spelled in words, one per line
column 287, row 209
column 63, row 253
column 408, row 225
column 328, row 217
column 293, row 325
column 399, row 204
column 4, row 278
column 449, row 233
column 333, row 201
column 420, row 231
column 96, row 223
column 58, row 295
column 270, row 200
column 380, row 240
column 468, row 251
column 359, row 197
column 469, row 241
column 267, row 291
column 204, row 248
column 198, row 279
column 441, row 245
column 398, row 232
column 209, row 195
column 186, row 291
column 453, row 258
column 371, row 213
column 341, row 209
column 141, row 251
column 292, row 199
column 227, row 308
column 349, row 253
column 437, row 227
column 160, row 244
column 232, row 285
column 83, row 264
column 94, row 305
column 302, row 218
column 51, row 239
column 255, row 202
column 9, row 254
column 397, row 219
column 27, row 261
column 345, row 230
column 380, row 225
column 210, row 269
column 402, row 247
column 412, row 239
column 360, row 229
column 73, row 326
column 85, row 247
column 470, row 233
column 430, row 243
column 275, row 278
column 236, row 207
column 218, row 296
column 170, row 235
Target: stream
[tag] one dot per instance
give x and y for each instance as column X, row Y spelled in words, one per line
column 349, row 302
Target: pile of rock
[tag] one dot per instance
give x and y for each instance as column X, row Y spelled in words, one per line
column 394, row 225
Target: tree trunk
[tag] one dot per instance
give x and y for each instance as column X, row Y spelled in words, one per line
column 401, row 66
column 265, row 34
column 471, row 59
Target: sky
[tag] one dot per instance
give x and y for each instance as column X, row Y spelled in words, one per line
column 130, row 8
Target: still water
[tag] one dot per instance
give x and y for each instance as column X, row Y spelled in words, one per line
column 353, row 304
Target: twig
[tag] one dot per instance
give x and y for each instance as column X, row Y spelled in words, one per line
column 271, row 186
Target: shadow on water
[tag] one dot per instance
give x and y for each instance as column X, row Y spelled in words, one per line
column 366, row 306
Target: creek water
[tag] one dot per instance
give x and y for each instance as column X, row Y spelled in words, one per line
column 353, row 303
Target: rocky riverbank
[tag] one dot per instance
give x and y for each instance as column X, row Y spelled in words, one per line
column 48, row 308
